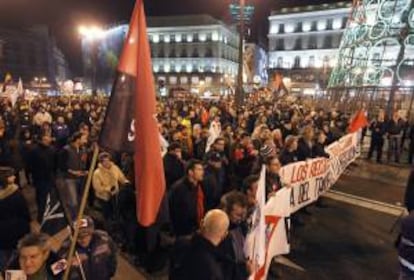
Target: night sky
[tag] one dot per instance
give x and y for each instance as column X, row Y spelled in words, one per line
column 64, row 16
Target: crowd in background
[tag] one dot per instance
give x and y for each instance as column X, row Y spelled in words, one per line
column 48, row 138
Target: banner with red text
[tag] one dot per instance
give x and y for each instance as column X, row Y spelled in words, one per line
column 303, row 182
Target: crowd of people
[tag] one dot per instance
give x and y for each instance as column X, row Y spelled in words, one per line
column 47, row 143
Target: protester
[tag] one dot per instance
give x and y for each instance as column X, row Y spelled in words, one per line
column 378, row 130
column 95, row 253
column 36, row 260
column 106, row 182
column 187, row 200
column 74, row 171
column 42, row 167
column 203, row 261
column 14, row 215
column 173, row 164
column 235, row 264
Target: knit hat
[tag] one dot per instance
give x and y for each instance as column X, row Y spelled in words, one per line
column 265, row 151
column 5, row 172
column 86, row 226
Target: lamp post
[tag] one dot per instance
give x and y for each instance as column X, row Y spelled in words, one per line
column 92, row 34
column 239, row 88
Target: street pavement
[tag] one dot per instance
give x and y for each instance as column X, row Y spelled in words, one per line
column 353, row 237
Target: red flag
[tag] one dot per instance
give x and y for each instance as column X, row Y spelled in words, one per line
column 359, row 121
column 131, row 124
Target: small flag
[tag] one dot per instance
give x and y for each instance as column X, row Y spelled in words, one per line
column 359, row 121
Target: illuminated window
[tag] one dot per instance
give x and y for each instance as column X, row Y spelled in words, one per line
column 195, row 80
column 166, row 38
column 178, row 38
column 167, row 68
column 209, row 80
column 189, row 37
column 306, row 26
column 274, row 29
column 289, row 27
column 173, row 80
column 337, row 23
column 202, row 37
column 156, row 38
column 156, row 68
column 215, row 36
column 183, row 80
column 189, row 68
column 321, row 25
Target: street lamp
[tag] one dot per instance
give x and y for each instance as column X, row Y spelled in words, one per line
column 92, row 34
column 239, row 88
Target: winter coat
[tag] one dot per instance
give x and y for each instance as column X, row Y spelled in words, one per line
column 14, row 217
column 173, row 169
column 106, row 181
column 99, row 260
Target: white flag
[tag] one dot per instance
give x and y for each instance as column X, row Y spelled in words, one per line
column 214, row 133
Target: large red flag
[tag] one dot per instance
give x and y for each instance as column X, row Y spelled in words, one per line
column 130, row 122
column 359, row 121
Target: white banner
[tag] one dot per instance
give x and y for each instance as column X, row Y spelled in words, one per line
column 303, row 182
column 255, row 246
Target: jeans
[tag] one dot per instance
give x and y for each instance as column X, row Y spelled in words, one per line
column 42, row 190
column 394, row 147
column 69, row 192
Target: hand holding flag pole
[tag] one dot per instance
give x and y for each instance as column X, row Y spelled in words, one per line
column 81, row 211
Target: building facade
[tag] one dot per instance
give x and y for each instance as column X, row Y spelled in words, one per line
column 193, row 52
column 303, row 44
column 31, row 54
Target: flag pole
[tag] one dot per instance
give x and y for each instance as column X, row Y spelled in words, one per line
column 81, row 210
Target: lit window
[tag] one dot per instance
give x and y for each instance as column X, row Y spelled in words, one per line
column 173, row 80
column 189, row 68
column 183, row 80
column 189, row 37
column 215, row 36
column 202, row 37
column 289, row 27
column 166, row 38
column 337, row 23
column 178, row 38
column 209, row 80
column 156, row 38
column 156, row 68
column 195, row 80
column 318, row 63
column 167, row 68
column 321, row 25
column 274, row 29
column 306, row 26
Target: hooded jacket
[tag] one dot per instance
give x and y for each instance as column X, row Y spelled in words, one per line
column 106, row 181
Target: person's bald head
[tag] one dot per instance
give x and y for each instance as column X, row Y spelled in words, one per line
column 215, row 225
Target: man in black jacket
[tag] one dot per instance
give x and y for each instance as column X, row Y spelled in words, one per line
column 213, row 182
column 202, row 261
column 187, row 202
column 378, row 129
column 235, row 264
column 305, row 144
column 173, row 164
column 42, row 164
